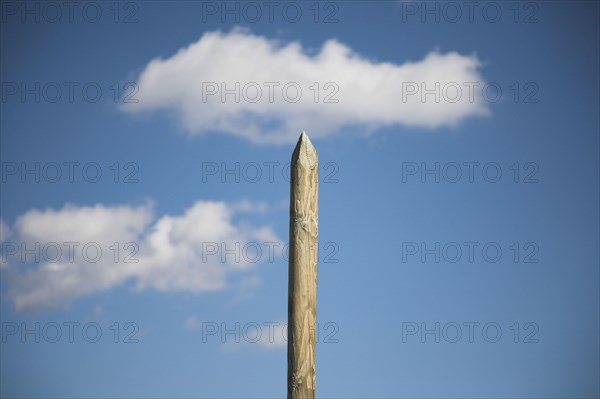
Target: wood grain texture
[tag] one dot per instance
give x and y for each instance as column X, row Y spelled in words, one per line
column 302, row 279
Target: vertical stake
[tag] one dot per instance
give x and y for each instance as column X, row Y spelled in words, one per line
column 302, row 278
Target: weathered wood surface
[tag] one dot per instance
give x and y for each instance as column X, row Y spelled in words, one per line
column 302, row 280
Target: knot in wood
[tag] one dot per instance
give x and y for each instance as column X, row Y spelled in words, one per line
column 301, row 223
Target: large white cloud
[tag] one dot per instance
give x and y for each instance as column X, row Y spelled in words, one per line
column 371, row 94
column 170, row 253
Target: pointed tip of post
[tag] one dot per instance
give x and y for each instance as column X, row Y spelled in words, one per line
column 304, row 138
column 305, row 152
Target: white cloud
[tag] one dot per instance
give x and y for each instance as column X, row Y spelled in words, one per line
column 99, row 223
column 370, row 93
column 171, row 251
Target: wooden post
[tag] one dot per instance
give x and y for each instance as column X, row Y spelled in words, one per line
column 302, row 279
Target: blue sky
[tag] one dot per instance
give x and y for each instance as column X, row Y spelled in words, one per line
column 190, row 180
